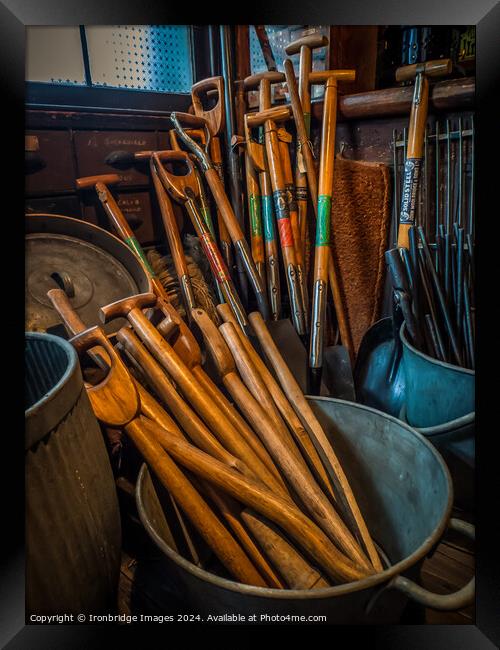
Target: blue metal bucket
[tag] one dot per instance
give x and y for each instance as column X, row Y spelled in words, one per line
column 436, row 392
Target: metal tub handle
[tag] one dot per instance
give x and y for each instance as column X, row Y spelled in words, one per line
column 444, row 602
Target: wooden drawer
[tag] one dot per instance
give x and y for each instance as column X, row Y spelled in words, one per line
column 49, row 162
column 68, row 206
column 138, row 210
column 93, row 147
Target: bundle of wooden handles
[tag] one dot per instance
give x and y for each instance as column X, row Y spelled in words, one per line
column 265, row 489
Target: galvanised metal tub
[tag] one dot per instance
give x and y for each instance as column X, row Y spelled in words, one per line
column 404, row 490
column 73, row 534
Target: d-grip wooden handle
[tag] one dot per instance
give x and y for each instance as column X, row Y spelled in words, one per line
column 177, row 184
column 193, row 121
column 436, row 68
column 114, row 400
column 312, row 42
column 214, row 116
column 90, row 181
column 253, row 81
column 276, row 114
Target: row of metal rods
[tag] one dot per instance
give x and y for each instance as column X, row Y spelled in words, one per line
column 446, row 192
column 440, row 262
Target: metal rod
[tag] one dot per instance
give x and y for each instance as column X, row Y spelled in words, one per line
column 460, row 173
column 470, row 224
column 440, row 296
column 438, row 338
column 436, row 151
column 448, row 177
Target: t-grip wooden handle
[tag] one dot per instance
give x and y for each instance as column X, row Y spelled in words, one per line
column 91, row 181
column 322, row 76
column 123, row 306
column 312, row 42
column 277, row 114
column 253, row 81
column 436, row 68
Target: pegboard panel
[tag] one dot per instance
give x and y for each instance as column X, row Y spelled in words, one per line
column 279, row 37
column 141, row 57
column 54, row 55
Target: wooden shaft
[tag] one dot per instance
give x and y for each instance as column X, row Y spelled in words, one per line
column 324, row 270
column 217, row 264
column 301, row 436
column 414, row 156
column 229, row 509
column 254, row 211
column 270, row 245
column 296, row 571
column 224, row 206
column 201, row 402
column 255, row 384
column 216, row 155
column 323, row 446
column 192, row 504
column 186, row 417
column 233, row 515
column 125, row 232
column 174, row 241
column 292, row 202
column 275, row 508
column 297, row 473
column 235, row 418
column 301, row 115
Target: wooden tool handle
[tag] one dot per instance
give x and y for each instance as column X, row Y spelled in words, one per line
column 312, row 42
column 254, row 80
column 296, row 571
column 193, row 505
column 66, row 311
column 323, row 76
column 125, row 305
column 214, row 116
column 276, row 114
column 277, row 509
column 114, row 400
column 436, row 68
column 90, row 181
column 143, row 155
column 291, row 464
column 216, row 345
column 232, row 513
column 224, row 206
column 323, row 446
column 193, row 121
column 177, row 184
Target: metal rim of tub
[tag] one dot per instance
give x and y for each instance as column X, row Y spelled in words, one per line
column 389, row 577
column 62, row 394
column 437, row 362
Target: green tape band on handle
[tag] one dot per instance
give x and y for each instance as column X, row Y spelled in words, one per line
column 268, row 218
column 323, row 224
column 255, row 220
column 136, row 247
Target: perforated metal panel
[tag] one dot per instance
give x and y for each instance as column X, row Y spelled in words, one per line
column 141, row 57
column 54, row 55
column 279, row 37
